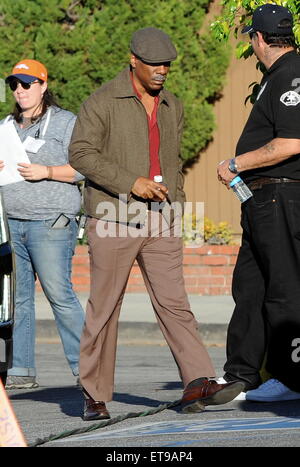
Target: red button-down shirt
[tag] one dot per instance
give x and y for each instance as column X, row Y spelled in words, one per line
column 154, row 136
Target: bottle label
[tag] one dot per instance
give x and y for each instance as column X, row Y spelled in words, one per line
column 241, row 189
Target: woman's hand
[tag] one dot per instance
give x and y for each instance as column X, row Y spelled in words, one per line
column 33, row 172
column 1, row 165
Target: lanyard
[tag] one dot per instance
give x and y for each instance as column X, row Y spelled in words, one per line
column 48, row 116
column 46, row 122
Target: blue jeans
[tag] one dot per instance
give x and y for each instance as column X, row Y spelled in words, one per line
column 46, row 252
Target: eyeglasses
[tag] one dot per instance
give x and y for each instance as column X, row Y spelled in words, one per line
column 13, row 84
column 252, row 34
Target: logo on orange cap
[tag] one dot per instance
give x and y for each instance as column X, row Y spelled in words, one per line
column 28, row 70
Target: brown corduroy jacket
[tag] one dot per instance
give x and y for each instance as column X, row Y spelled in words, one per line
column 110, row 146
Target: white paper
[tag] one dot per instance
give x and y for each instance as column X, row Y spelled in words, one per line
column 12, row 153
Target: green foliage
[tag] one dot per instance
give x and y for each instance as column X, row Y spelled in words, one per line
column 84, row 43
column 237, row 13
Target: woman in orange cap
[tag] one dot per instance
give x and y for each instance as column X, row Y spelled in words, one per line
column 41, row 198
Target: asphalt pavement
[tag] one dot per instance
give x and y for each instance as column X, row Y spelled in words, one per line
column 146, row 380
column 146, row 418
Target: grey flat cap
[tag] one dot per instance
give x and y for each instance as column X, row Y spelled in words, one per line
column 152, row 46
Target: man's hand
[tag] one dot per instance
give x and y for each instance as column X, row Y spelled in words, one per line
column 148, row 189
column 225, row 176
column 33, row 171
column 1, row 165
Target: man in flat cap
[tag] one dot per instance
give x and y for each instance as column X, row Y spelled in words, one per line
column 127, row 133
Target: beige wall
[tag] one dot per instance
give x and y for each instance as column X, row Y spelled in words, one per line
column 231, row 114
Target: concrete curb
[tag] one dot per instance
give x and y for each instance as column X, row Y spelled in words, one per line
column 138, row 333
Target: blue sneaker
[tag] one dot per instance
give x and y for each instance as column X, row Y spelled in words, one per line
column 272, row 391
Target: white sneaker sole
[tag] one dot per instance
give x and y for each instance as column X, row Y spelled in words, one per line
column 240, row 397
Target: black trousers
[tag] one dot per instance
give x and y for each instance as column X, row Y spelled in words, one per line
column 266, row 289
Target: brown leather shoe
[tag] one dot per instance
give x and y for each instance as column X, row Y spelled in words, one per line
column 209, row 392
column 95, row 410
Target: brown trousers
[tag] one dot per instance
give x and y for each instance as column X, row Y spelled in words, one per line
column 160, row 260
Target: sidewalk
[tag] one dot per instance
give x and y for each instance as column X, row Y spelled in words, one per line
column 137, row 320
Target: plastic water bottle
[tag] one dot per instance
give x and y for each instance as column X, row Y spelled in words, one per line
column 240, row 189
column 158, row 178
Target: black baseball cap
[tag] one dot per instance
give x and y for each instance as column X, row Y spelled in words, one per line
column 153, row 45
column 271, row 18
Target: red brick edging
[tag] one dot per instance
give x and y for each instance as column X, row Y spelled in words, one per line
column 207, row 270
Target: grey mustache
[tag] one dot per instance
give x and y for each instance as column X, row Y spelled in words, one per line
column 160, row 77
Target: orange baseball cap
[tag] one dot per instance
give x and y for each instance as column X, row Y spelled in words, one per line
column 28, row 70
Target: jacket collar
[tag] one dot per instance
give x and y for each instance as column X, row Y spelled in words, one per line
column 123, row 87
column 282, row 60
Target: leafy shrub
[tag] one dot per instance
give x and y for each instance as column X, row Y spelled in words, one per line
column 85, row 43
column 236, row 13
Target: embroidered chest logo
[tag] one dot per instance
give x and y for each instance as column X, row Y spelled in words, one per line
column 290, row 98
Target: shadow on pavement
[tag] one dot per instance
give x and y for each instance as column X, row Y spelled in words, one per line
column 282, row 409
column 172, row 385
column 70, row 399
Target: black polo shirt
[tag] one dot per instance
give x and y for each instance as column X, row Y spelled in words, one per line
column 275, row 114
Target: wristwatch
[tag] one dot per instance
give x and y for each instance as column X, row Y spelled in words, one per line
column 232, row 166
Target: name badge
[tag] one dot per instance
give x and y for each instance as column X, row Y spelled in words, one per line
column 32, row 144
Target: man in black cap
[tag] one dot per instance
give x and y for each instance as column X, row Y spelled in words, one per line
column 127, row 133
column 266, row 280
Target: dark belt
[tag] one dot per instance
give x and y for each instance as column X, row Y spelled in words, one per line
column 257, row 184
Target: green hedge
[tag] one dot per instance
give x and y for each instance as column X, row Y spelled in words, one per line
column 85, row 43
